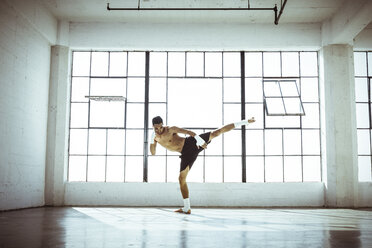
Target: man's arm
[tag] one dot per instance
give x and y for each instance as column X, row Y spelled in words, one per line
column 153, row 148
column 153, row 144
column 181, row 130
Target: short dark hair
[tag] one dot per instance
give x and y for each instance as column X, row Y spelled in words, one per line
column 157, row 120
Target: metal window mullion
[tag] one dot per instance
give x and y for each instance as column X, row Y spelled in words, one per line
column 146, row 118
column 223, row 136
column 125, row 124
column 69, row 133
column 283, row 153
column 106, row 155
column 242, row 92
column 88, row 129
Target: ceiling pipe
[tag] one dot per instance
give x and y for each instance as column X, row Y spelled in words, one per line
column 275, row 9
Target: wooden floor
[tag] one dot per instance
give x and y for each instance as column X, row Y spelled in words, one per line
column 205, row 227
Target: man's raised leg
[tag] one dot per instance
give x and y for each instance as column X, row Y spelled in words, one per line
column 229, row 127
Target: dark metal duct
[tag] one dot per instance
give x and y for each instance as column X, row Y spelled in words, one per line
column 275, row 9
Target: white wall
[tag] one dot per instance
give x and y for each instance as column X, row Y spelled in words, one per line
column 185, row 37
column 24, row 83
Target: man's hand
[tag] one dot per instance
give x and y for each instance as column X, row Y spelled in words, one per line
column 251, row 120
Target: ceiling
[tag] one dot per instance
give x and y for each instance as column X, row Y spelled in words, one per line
column 296, row 11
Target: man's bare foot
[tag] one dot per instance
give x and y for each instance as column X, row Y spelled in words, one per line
column 182, row 212
column 251, row 120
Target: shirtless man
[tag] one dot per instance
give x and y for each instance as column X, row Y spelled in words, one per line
column 189, row 148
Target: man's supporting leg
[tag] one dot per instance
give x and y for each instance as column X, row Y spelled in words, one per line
column 184, row 191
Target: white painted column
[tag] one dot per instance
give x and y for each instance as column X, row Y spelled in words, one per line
column 340, row 160
column 58, row 117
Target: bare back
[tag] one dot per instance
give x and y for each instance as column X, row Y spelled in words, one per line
column 170, row 140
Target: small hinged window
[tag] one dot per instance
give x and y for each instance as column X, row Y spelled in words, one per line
column 282, row 97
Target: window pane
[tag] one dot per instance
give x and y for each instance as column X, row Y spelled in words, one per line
column 232, row 169
column 292, row 169
column 274, row 169
column 293, row 106
column 309, row 90
column 256, row 111
column 311, row 167
column 158, row 90
column 108, row 87
column 361, row 90
column 81, row 64
column 118, row 64
column 136, row 64
column 271, row 64
column 176, row 64
column 289, row 88
column 200, row 99
column 136, row 90
column 231, row 64
column 115, row 142
column 78, row 141
column 213, row 64
column 253, row 90
column 292, row 142
column 275, row 106
column 273, row 142
column 173, row 168
column 309, row 64
column 310, row 142
column 135, row 115
column 232, row 90
column 254, row 144
column 134, row 144
column 96, row 169
column 194, row 64
column 115, row 169
column 158, row 64
column 364, row 142
column 253, row 64
column 134, row 169
column 255, row 169
column 97, row 142
column 213, row 170
column 271, row 88
column 311, row 117
column 156, row 169
column 233, row 143
column 290, row 64
column 107, row 114
column 77, row 168
column 79, row 115
column 80, row 89
column 232, row 113
column 360, row 63
column 99, row 64
column 364, row 169
column 362, row 114
column 282, row 121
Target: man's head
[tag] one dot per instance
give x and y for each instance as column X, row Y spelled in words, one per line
column 157, row 123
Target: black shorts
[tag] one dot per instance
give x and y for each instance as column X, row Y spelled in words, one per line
column 190, row 151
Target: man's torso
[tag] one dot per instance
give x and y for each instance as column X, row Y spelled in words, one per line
column 170, row 140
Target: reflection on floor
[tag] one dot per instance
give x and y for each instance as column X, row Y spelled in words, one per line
column 205, row 227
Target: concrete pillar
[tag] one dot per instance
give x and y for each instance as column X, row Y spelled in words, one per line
column 58, row 116
column 340, row 159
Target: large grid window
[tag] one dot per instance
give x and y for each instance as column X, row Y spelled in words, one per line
column 363, row 78
column 200, row 91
